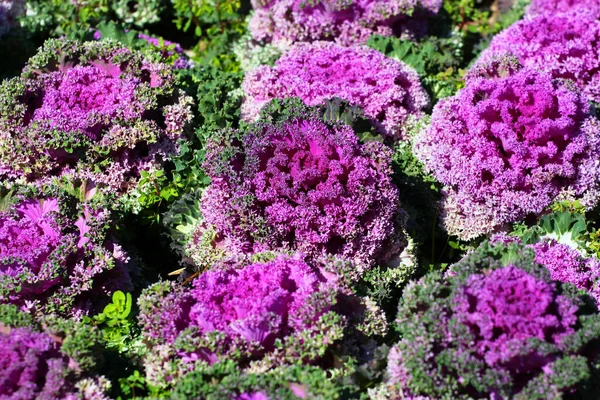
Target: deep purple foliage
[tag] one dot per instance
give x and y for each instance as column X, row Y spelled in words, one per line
column 86, row 99
column 388, row 90
column 92, row 110
column 563, row 44
column 303, row 185
column 287, row 21
column 53, row 263
column 506, row 146
column 32, row 366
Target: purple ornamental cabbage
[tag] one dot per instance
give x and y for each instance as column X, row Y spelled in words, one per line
column 506, row 146
column 492, row 329
column 302, row 185
column 91, row 110
column 51, row 262
column 389, row 91
column 557, row 6
column 562, row 44
column 10, row 10
column 242, row 314
column 287, row 21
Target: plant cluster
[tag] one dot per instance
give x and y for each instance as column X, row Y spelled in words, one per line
column 273, row 313
column 287, row 21
column 282, row 199
column 52, row 360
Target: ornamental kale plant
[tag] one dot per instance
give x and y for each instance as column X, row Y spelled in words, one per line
column 562, row 44
column 92, row 110
column 389, row 91
column 287, row 21
column 55, row 362
column 292, row 181
column 496, row 325
column 58, row 259
column 34, row 367
column 507, row 145
column 269, row 314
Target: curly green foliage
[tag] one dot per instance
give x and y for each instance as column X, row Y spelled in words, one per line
column 217, row 95
column 156, row 49
column 225, row 381
column 438, row 60
column 426, row 363
column 333, row 111
column 81, row 342
column 10, row 315
column 138, row 13
column 218, row 106
column 385, row 284
column 181, row 219
column 59, row 17
column 217, row 24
